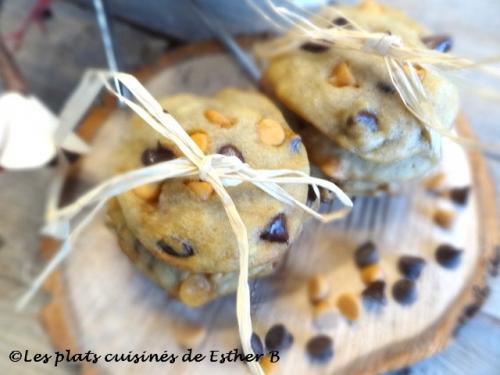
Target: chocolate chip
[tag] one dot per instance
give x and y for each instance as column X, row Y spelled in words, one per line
column 411, row 266
column 257, row 346
column 374, row 295
column 340, row 21
column 448, row 256
column 314, row 47
column 404, row 291
column 230, row 150
column 365, row 118
column 386, row 88
column 460, row 195
column 366, row 254
column 276, row 230
column 187, row 249
column 152, row 156
column 440, row 43
column 278, row 338
column 295, row 143
column 165, row 111
column 320, row 348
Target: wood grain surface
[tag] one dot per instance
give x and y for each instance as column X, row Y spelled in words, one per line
column 400, row 354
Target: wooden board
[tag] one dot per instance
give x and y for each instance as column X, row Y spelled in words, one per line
column 198, row 68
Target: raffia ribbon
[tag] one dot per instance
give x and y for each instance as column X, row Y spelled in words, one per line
column 399, row 58
column 219, row 170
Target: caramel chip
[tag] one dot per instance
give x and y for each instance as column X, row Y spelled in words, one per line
column 318, row 288
column 195, row 290
column 267, row 365
column 342, row 76
column 190, row 336
column 435, row 182
column 444, row 218
column 149, row 192
column 201, row 139
column 371, row 273
column 348, row 306
column 330, row 167
column 203, row 189
column 270, row 132
column 218, row 118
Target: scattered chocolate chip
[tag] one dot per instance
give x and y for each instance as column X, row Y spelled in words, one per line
column 230, row 150
column 366, row 254
column 495, row 262
column 460, row 195
column 187, row 249
column 374, row 295
column 404, row 291
column 365, row 118
column 411, row 266
column 386, row 88
column 165, row 111
column 278, row 338
column 314, row 47
column 440, row 43
column 295, row 143
column 320, row 348
column 340, row 21
column 152, row 156
column 276, row 230
column 448, row 256
column 257, row 346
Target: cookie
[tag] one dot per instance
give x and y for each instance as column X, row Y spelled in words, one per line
column 348, row 95
column 358, row 176
column 182, row 222
column 190, row 288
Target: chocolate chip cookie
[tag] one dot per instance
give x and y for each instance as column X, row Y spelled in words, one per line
column 181, row 222
column 348, row 96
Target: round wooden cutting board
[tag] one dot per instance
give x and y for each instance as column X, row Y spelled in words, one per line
column 100, row 302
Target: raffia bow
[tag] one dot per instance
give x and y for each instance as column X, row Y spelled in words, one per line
column 399, row 58
column 219, row 170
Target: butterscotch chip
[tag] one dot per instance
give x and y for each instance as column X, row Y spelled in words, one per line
column 318, row 288
column 342, row 76
column 348, row 306
column 195, row 290
column 201, row 139
column 218, row 118
column 270, row 132
column 444, row 218
column 190, row 336
column 267, row 365
column 203, row 189
column 148, row 192
column 435, row 182
column 371, row 273
column 370, row 6
column 330, row 167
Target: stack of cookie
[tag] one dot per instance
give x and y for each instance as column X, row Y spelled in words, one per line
column 354, row 124
column 177, row 231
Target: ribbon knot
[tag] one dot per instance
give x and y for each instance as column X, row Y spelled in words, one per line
column 205, row 167
column 381, row 44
